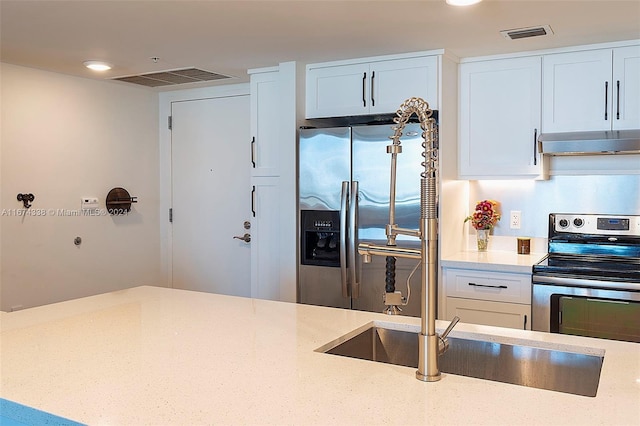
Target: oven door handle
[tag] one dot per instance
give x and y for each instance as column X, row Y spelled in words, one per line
column 580, row 282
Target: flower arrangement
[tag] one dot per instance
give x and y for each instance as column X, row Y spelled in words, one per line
column 485, row 216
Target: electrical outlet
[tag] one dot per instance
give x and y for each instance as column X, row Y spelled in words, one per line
column 515, row 219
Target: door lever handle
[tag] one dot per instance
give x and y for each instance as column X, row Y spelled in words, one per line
column 246, row 238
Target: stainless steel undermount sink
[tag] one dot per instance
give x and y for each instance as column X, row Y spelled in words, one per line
column 571, row 371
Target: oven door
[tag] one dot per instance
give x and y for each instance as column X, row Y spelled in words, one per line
column 609, row 310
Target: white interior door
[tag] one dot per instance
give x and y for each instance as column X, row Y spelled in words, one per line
column 211, row 199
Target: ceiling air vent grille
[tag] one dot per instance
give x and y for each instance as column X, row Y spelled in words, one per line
column 173, row 77
column 519, row 33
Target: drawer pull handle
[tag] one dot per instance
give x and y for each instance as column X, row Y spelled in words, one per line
column 488, row 286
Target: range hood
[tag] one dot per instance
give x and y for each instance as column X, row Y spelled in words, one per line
column 590, row 143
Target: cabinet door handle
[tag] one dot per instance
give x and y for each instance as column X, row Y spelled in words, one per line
column 373, row 76
column 606, row 100
column 364, row 85
column 253, row 201
column 618, row 100
column 524, row 326
column 535, row 143
column 487, row 286
column 253, row 152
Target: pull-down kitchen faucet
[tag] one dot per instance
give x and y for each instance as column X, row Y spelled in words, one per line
column 431, row 345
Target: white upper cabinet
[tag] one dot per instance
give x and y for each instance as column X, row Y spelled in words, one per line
column 374, row 87
column 626, row 81
column 500, row 104
column 592, row 90
column 265, row 149
column 393, row 82
column 337, row 91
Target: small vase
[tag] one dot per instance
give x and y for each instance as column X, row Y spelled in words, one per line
column 483, row 239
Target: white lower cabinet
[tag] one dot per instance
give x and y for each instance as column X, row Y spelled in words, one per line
column 266, row 239
column 488, row 297
column 498, row 314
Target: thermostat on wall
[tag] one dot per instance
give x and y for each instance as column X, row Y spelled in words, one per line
column 89, row 203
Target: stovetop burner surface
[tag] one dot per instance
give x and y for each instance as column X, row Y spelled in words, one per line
column 590, row 267
column 597, row 247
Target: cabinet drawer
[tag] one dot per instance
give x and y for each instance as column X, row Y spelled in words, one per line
column 497, row 314
column 481, row 285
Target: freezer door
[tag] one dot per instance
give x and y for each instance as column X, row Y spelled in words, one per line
column 324, row 163
column 371, row 168
column 324, row 169
column 320, row 285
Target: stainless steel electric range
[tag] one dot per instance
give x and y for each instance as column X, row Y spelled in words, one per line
column 589, row 283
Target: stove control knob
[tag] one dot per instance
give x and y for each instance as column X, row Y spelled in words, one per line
column 577, row 222
column 563, row 223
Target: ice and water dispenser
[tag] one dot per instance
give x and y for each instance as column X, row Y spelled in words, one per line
column 320, row 237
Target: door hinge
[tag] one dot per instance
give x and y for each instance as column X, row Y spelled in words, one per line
column 170, row 215
column 170, row 122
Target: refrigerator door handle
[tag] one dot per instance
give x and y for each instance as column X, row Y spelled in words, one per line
column 344, row 197
column 352, row 241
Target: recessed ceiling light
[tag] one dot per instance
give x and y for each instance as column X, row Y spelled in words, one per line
column 97, row 65
column 462, row 2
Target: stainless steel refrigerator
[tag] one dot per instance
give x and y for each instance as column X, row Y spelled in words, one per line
column 344, row 178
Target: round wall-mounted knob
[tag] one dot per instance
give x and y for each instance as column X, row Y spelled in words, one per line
column 26, row 199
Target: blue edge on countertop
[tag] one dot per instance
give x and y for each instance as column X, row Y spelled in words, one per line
column 14, row 414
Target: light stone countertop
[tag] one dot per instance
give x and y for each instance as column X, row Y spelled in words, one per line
column 493, row 260
column 158, row 356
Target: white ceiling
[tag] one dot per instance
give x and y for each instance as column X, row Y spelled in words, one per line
column 229, row 37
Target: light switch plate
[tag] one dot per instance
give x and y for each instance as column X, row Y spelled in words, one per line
column 89, row 203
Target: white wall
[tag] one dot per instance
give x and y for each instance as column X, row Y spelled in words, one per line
column 64, row 138
column 597, row 194
column 453, row 192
